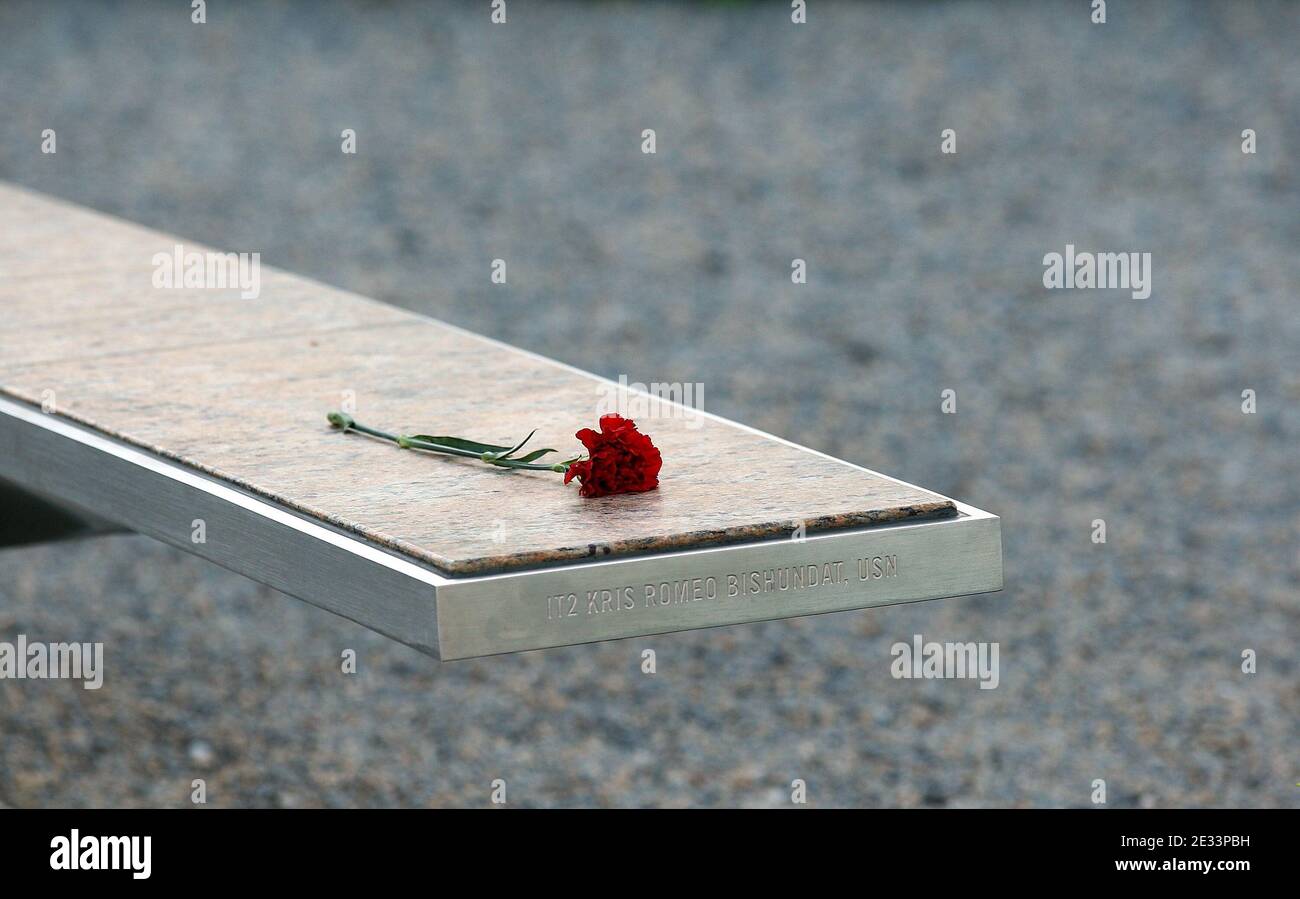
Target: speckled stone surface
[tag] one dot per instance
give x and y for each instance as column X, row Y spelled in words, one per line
column 238, row 387
column 1119, row 661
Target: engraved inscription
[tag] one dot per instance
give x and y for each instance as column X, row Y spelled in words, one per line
column 726, row 587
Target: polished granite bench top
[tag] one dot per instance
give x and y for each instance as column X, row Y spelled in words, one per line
column 238, row 387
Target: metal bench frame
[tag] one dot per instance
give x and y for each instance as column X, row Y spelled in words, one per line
column 72, row 480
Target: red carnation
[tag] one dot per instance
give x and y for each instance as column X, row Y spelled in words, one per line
column 620, row 458
column 623, row 460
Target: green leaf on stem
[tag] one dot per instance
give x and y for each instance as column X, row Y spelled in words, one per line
column 472, row 446
column 534, row 455
column 518, row 446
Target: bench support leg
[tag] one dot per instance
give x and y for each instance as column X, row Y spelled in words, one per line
column 27, row 518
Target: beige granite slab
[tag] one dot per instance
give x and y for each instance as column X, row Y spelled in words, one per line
column 239, row 389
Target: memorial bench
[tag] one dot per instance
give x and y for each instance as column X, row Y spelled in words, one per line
column 196, row 415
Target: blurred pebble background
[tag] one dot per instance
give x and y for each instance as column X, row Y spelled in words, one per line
column 774, row 141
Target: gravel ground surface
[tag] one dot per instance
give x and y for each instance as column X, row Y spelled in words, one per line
column 1119, row 661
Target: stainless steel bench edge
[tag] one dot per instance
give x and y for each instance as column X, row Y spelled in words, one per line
column 463, row 617
column 725, row 585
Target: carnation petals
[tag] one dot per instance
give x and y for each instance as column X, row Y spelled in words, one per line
column 622, row 459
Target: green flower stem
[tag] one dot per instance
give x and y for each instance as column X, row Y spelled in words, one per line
column 346, row 422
